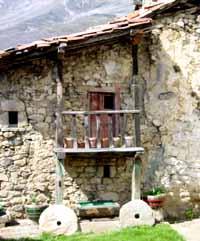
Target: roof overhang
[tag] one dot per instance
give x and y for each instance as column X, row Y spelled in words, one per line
column 138, row 21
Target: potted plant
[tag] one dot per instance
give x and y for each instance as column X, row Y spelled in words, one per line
column 34, row 209
column 155, row 197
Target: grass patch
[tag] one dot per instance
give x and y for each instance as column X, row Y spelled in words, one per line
column 161, row 232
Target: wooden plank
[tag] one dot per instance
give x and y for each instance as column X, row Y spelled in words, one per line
column 100, row 112
column 110, row 130
column 74, row 131
column 101, row 90
column 136, row 178
column 100, row 150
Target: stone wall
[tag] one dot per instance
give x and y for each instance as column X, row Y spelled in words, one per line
column 27, row 158
column 171, row 124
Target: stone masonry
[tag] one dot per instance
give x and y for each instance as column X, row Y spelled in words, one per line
column 171, row 125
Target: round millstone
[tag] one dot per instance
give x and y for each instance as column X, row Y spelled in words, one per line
column 58, row 219
column 136, row 213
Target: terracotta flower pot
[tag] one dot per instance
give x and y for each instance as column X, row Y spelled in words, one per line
column 92, row 142
column 68, row 142
column 104, row 142
column 156, row 201
column 116, row 142
column 81, row 144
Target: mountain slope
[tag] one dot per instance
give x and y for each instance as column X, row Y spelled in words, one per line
column 23, row 21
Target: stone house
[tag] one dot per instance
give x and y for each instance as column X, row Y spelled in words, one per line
column 58, row 93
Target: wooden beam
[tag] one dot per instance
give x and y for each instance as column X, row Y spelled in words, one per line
column 99, row 112
column 136, row 94
column 59, row 124
column 101, row 150
column 59, row 135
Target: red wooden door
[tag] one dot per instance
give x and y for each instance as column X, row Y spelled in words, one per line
column 103, row 101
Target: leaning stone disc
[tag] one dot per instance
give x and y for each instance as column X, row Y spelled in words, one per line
column 136, row 213
column 58, row 219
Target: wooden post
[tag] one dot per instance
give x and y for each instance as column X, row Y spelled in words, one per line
column 136, row 94
column 59, row 130
column 136, row 174
column 136, row 178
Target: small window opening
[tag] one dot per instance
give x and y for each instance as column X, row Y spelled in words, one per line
column 109, row 102
column 13, row 118
column 106, row 171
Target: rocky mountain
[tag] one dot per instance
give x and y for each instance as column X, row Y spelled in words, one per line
column 23, row 21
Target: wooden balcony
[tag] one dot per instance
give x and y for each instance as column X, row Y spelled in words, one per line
column 101, row 132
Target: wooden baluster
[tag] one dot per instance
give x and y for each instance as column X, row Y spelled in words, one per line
column 137, row 130
column 123, row 126
column 110, row 130
column 74, row 131
column 98, row 123
column 86, row 124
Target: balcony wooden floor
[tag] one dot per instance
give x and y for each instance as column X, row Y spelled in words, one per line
column 122, row 151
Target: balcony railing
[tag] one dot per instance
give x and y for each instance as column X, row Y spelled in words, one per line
column 101, row 131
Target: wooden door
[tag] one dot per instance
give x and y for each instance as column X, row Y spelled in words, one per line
column 103, row 101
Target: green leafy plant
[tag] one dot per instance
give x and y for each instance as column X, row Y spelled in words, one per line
column 189, row 213
column 155, row 191
column 33, row 198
